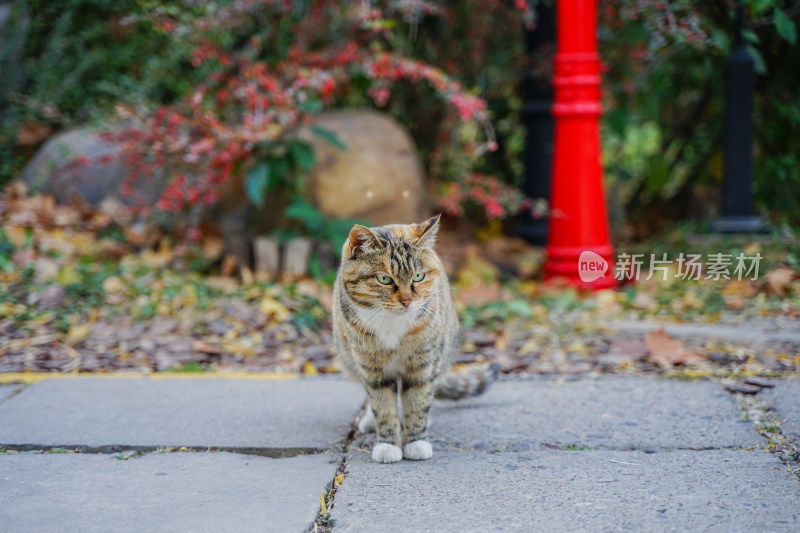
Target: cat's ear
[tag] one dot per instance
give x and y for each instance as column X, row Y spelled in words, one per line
column 361, row 239
column 427, row 231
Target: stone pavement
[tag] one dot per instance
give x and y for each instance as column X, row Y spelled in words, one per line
column 533, row 454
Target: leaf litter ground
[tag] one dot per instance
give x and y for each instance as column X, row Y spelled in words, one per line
column 89, row 290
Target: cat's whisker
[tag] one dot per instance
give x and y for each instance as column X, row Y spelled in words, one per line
column 369, row 326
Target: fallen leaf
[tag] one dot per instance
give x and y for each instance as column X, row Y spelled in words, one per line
column 274, row 309
column 476, row 270
column 501, row 342
column 667, row 352
column 213, row 247
column 204, row 347
column 136, row 234
column 325, row 298
column 633, row 348
column 480, row 294
column 158, row 259
column 309, row 369
column 645, row 301
column 778, row 280
column 228, row 266
column 78, row 333
column 68, row 275
column 247, row 276
column 32, row 133
column 737, row 293
column 607, row 300
column 113, row 285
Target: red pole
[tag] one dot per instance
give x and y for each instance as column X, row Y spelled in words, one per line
column 578, row 220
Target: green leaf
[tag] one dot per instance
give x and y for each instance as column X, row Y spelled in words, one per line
column 305, row 213
column 310, row 105
column 302, row 154
column 618, row 119
column 759, row 6
column 328, row 135
column 785, row 26
column 256, row 183
column 758, row 60
column 720, row 39
column 281, row 170
column 750, row 36
column 657, row 174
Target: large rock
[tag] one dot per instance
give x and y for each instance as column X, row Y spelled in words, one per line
column 378, row 178
column 48, row 172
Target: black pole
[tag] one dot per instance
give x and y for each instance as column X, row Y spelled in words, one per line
column 537, row 116
column 737, row 186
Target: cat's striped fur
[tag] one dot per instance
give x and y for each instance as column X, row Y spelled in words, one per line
column 395, row 332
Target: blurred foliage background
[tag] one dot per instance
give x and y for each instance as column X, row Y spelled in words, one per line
column 211, row 90
column 71, row 62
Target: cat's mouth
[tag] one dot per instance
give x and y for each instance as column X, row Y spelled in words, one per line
column 414, row 308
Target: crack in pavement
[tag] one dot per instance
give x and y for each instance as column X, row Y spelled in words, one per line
column 768, row 424
column 140, row 450
column 14, row 393
column 323, row 523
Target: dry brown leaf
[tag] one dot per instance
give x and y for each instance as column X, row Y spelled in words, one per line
column 480, row 294
column 32, row 133
column 226, row 285
column 325, row 298
column 228, row 266
column 778, row 280
column 667, row 352
column 501, row 342
column 213, row 247
column 204, row 347
column 247, row 275
column 633, row 348
column 136, row 234
column 645, row 301
column 738, row 292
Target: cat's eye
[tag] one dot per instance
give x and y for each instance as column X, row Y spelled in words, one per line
column 419, row 276
column 384, row 280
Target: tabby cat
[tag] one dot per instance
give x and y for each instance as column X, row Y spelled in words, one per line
column 394, row 326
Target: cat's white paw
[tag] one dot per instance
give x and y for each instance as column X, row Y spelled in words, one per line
column 367, row 422
column 383, row 452
column 419, row 450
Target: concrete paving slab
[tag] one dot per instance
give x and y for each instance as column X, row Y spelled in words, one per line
column 785, row 399
column 608, row 412
column 717, row 490
column 161, row 492
column 118, row 414
column 7, row 390
column 755, row 331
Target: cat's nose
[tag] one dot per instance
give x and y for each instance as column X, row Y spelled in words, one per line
column 406, row 303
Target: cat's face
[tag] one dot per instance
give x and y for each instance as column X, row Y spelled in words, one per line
column 393, row 268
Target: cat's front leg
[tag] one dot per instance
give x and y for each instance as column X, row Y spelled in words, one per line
column 417, row 400
column 383, row 400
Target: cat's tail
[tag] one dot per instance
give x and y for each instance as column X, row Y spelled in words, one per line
column 455, row 387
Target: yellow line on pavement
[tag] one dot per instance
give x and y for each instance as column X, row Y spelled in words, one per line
column 35, row 377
